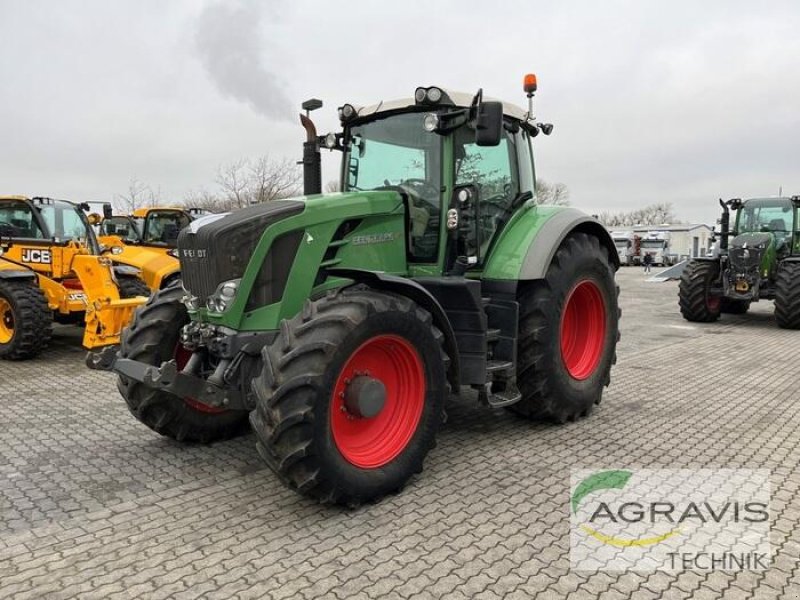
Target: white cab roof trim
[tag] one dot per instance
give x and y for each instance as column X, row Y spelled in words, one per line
column 460, row 99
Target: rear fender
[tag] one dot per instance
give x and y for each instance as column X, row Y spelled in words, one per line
column 526, row 247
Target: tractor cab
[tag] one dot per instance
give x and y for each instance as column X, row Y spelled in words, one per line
column 40, row 222
column 775, row 219
column 160, row 226
column 463, row 164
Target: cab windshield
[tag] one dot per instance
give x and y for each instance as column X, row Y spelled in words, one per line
column 161, row 227
column 396, row 153
column 124, row 227
column 770, row 215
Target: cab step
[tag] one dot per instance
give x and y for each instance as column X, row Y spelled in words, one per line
column 495, row 366
column 510, row 395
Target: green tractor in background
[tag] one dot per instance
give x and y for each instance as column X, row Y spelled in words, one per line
column 339, row 323
column 762, row 261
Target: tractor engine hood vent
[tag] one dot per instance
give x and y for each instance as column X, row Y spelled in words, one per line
column 220, row 249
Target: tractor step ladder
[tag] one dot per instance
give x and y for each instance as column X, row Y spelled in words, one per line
column 501, row 388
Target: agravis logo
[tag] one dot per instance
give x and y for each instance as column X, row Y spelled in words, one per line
column 606, row 480
column 644, row 519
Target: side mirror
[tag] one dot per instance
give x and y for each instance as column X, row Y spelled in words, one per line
column 107, row 210
column 489, row 123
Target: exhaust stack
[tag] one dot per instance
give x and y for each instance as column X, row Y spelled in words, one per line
column 312, row 160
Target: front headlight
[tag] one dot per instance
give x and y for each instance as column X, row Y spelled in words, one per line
column 222, row 299
column 173, row 252
column 117, row 249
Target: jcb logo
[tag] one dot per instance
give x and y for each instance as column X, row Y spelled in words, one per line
column 31, row 255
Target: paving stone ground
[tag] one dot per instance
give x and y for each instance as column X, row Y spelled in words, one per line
column 95, row 505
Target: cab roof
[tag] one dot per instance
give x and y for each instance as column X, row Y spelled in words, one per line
column 457, row 99
column 143, row 212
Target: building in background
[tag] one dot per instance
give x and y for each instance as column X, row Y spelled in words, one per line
column 685, row 240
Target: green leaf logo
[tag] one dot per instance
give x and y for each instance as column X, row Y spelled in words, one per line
column 604, row 480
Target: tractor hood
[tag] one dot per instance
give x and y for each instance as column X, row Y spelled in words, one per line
column 221, row 248
column 751, row 251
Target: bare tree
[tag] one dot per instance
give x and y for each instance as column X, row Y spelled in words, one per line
column 138, row 195
column 233, row 180
column 272, row 179
column 652, row 214
column 556, row 194
column 205, row 200
column 332, row 186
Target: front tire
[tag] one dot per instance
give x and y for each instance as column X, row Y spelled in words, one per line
column 695, row 301
column 25, row 320
column 153, row 338
column 787, row 296
column 132, row 287
column 310, row 428
column 569, row 328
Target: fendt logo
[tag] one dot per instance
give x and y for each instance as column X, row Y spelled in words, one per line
column 191, row 253
column 33, row 255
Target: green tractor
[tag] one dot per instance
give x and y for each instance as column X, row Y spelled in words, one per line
column 339, row 323
column 762, row 261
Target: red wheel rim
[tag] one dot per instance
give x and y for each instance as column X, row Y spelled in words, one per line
column 182, row 356
column 370, row 443
column 713, row 303
column 583, row 330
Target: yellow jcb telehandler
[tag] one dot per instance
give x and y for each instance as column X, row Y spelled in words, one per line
column 146, row 239
column 52, row 268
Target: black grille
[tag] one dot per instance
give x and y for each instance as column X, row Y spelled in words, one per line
column 747, row 250
column 219, row 250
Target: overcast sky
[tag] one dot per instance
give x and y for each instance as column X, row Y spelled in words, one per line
column 652, row 101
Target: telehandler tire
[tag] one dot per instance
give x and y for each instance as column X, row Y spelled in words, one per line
column 153, row 338
column 131, row 287
column 26, row 320
column 568, row 332
column 787, row 295
column 695, row 302
column 351, row 396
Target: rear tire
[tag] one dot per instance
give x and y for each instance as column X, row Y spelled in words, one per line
column 152, row 338
column 569, row 328
column 131, row 287
column 693, row 298
column 26, row 320
column 305, row 433
column 787, row 295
